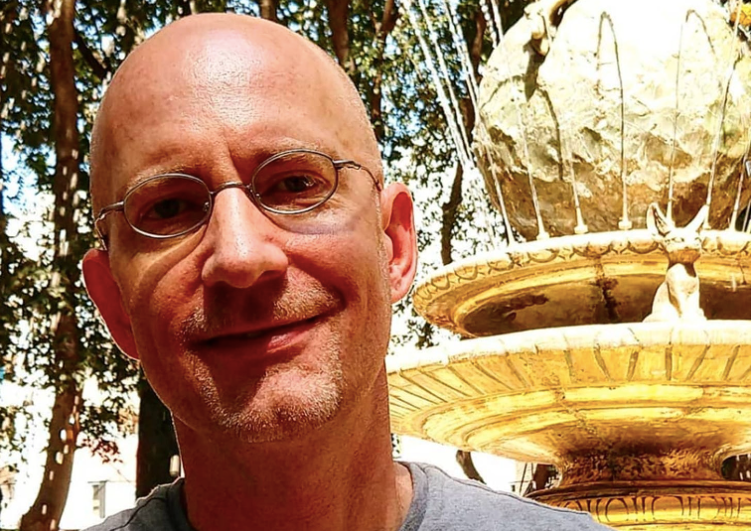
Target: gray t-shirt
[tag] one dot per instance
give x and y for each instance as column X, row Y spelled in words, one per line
column 440, row 503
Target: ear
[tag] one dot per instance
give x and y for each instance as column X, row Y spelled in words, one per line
column 105, row 293
column 699, row 220
column 656, row 221
column 400, row 240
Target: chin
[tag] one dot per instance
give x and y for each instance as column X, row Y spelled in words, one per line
column 284, row 405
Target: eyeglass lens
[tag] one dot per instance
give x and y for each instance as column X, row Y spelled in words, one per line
column 295, row 182
column 174, row 204
column 167, row 205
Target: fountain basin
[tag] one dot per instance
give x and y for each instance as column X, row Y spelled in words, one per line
column 656, row 506
column 652, row 408
column 546, row 395
column 595, row 278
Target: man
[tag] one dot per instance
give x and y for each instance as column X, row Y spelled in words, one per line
column 251, row 253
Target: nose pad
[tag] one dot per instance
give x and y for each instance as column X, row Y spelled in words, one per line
column 245, row 245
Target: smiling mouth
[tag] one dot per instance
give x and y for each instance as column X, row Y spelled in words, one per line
column 276, row 336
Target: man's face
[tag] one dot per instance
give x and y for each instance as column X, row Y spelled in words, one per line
column 253, row 325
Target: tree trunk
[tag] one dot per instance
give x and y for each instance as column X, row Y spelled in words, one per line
column 5, row 243
column 157, row 444
column 541, row 474
column 4, row 240
column 339, row 12
column 48, row 507
column 736, row 468
column 45, row 513
column 268, row 10
column 449, row 216
column 465, row 460
column 185, row 8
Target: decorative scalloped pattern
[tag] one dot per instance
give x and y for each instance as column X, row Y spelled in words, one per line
column 730, row 249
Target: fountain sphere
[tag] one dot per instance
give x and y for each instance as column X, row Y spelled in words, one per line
column 667, row 62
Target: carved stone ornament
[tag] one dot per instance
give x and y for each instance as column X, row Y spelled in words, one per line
column 678, row 296
column 595, row 278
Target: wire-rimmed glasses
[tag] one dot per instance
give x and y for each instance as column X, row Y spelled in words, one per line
column 175, row 204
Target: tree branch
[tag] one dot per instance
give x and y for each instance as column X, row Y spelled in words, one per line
column 99, row 67
column 389, row 20
column 382, row 28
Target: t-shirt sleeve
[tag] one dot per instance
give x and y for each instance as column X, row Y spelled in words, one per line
column 159, row 511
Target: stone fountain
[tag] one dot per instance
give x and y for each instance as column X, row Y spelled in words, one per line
column 615, row 341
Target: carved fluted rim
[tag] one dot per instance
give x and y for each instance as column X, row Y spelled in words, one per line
column 642, row 335
column 658, row 505
column 544, row 395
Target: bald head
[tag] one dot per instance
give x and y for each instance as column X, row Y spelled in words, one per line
column 217, row 92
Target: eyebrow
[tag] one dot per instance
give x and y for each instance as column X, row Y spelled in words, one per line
column 122, row 190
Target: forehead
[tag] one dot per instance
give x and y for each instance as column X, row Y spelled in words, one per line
column 219, row 101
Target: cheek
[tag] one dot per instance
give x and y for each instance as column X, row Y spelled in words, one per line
column 352, row 262
column 154, row 264
column 163, row 290
column 358, row 272
column 160, row 293
column 163, row 308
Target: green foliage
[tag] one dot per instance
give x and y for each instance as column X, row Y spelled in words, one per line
column 30, row 298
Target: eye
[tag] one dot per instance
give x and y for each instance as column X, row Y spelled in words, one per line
column 295, row 184
column 170, row 208
column 167, row 209
column 293, row 191
column 167, row 205
column 296, row 181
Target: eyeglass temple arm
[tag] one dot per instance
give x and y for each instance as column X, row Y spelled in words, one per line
column 355, row 166
column 110, row 208
column 103, row 214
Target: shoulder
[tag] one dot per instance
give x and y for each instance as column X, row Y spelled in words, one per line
column 150, row 513
column 455, row 504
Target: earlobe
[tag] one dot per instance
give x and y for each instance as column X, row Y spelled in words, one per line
column 105, row 293
column 399, row 229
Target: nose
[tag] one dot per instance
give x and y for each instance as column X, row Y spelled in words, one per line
column 244, row 245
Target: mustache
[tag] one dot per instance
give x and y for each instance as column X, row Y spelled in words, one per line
column 225, row 309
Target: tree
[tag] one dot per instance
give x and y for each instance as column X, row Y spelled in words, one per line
column 41, row 115
column 64, row 426
column 157, row 444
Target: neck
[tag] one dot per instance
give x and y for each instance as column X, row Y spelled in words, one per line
column 340, row 476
